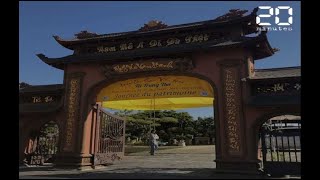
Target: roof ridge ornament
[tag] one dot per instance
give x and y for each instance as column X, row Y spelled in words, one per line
column 275, row 49
column 153, row 25
column 232, row 14
column 85, row 34
column 23, row 85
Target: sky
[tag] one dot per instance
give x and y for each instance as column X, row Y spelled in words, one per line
column 39, row 21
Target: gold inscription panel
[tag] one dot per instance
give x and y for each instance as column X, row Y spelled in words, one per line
column 232, row 109
column 73, row 98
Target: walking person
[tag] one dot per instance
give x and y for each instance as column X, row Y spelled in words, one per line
column 153, row 141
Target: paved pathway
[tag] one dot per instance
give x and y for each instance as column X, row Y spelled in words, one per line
column 191, row 162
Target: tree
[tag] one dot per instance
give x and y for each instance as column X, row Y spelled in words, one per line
column 123, row 113
column 205, row 127
column 169, row 124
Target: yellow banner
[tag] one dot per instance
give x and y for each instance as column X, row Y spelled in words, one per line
column 156, row 87
column 160, row 103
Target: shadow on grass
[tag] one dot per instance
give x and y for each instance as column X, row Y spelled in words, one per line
column 141, row 149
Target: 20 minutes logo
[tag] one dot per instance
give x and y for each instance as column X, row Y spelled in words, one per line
column 275, row 15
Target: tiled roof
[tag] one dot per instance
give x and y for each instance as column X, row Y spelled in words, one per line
column 277, row 73
column 111, row 35
column 38, row 88
column 161, row 51
column 286, row 117
column 172, row 27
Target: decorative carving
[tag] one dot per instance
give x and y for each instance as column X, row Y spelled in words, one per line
column 104, row 158
column 275, row 49
column 149, row 65
column 86, row 160
column 73, row 106
column 184, row 65
column 23, row 85
column 110, row 145
column 153, row 25
column 85, row 34
column 107, row 70
column 277, row 88
column 231, row 109
column 232, row 14
column 108, row 135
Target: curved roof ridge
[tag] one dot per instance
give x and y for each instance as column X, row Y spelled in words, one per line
column 185, row 25
column 279, row 68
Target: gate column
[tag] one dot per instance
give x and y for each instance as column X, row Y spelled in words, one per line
column 70, row 152
column 232, row 154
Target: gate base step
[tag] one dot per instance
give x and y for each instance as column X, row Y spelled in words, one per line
column 228, row 171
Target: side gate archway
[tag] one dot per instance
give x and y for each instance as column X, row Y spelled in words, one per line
column 43, row 144
column 279, row 145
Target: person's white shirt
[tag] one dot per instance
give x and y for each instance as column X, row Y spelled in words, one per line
column 154, row 137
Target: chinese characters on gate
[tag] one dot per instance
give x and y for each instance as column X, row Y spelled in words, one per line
column 39, row 99
column 154, row 43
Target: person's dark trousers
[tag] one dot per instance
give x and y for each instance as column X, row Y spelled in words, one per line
column 152, row 148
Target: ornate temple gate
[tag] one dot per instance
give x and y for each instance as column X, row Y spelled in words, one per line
column 109, row 136
column 281, row 150
column 217, row 51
